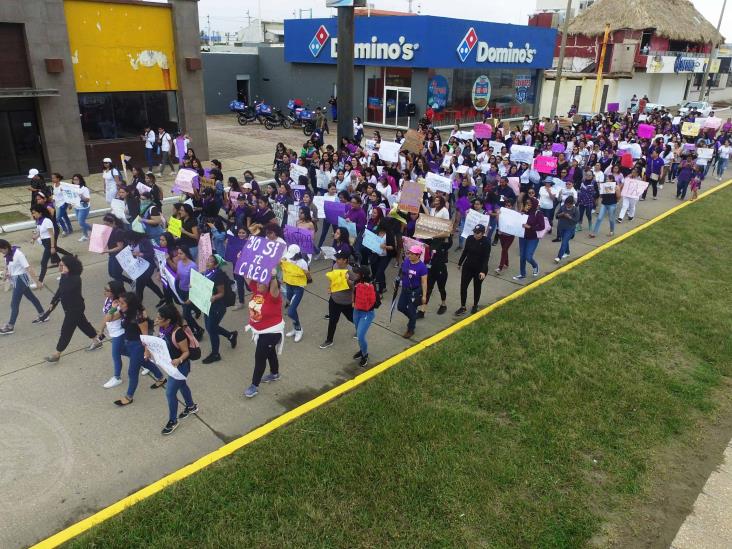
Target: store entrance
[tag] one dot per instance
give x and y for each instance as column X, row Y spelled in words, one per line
column 20, row 138
column 395, row 101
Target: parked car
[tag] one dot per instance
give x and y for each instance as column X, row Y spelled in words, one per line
column 650, row 107
column 702, row 107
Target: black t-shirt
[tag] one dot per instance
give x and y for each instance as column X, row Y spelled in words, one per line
column 180, row 336
column 188, row 225
column 131, row 327
column 115, row 237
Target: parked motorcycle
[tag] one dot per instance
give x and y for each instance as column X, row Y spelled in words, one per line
column 272, row 116
column 301, row 117
column 244, row 113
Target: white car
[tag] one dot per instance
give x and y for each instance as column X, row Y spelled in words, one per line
column 700, row 106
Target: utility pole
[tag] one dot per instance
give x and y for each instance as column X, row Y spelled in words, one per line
column 712, row 57
column 562, row 49
column 344, row 72
column 249, row 19
column 208, row 25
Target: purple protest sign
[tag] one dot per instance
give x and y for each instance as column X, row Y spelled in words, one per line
column 258, row 258
column 334, row 210
column 297, row 192
column 558, row 148
column 301, row 237
column 613, row 107
column 180, row 147
column 234, row 244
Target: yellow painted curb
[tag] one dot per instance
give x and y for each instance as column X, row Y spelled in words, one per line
column 144, row 493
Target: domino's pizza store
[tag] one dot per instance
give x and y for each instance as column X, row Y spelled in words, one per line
column 463, row 69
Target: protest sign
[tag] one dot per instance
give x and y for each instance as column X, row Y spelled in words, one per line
column 293, row 214
column 702, row 121
column 607, row 187
column 142, row 188
column 463, row 169
column 389, row 151
column 558, row 148
column 323, row 178
column 633, row 188
column 338, row 280
column 413, row 142
column 99, row 238
column 234, row 244
column 705, row 153
column 482, row 131
column 296, row 171
column 435, row 182
column 258, row 257
column 118, row 209
column 70, row 194
column 690, row 128
column 205, row 250
column 496, row 146
column 298, row 191
column 689, row 147
column 676, row 120
column 429, row 226
column 613, row 107
column 301, row 237
column 712, row 122
column 446, row 161
column 350, row 226
column 411, row 197
column 201, row 291
column 174, row 226
column 642, row 117
column 473, row 218
column 373, row 242
column 279, row 210
column 180, row 147
column 409, row 242
column 133, row 266
column 463, row 135
column 184, row 180
column 545, row 164
column 328, row 252
column 565, row 122
column 320, row 201
column 512, row 222
column 522, row 153
column 646, row 131
column 334, row 210
column 158, row 351
column 515, row 184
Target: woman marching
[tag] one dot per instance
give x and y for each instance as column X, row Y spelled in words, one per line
column 18, row 270
column 47, row 233
column 414, row 288
column 474, row 266
column 295, row 275
column 222, row 297
column 71, row 299
column 82, row 212
column 530, row 240
column 365, row 301
column 184, row 266
column 113, row 290
column 115, row 244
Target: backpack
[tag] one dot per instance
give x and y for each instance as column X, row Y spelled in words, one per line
column 366, row 297
column 229, row 294
column 194, row 348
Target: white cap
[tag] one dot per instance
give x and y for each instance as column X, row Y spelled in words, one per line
column 292, row 251
column 32, row 173
column 107, row 160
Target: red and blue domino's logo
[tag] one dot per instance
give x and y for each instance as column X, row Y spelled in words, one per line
column 467, row 45
column 319, row 40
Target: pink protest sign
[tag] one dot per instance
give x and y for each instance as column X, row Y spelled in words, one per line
column 482, row 131
column 513, row 182
column 205, row 251
column 99, row 237
column 545, row 164
column 184, row 181
column 645, row 131
column 633, row 188
column 713, row 122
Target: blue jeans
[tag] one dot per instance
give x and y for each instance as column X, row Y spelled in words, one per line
column 294, row 294
column 213, row 325
column 721, row 166
column 461, row 226
column 21, row 289
column 363, row 320
column 681, row 188
column 409, row 300
column 526, row 251
column 566, row 235
column 609, row 210
column 81, row 215
column 176, row 385
column 149, row 158
column 323, row 235
column 136, row 352
column 118, row 344
column 63, row 219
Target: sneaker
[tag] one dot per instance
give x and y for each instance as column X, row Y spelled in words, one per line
column 144, row 372
column 618, row 220
column 660, row 187
column 579, row 228
column 326, row 344
column 518, row 277
column 234, row 339
column 499, row 271
column 357, row 355
column 461, row 311
column 7, row 330
column 536, row 271
column 474, row 309
column 420, row 315
column 251, row 391
column 238, row 306
column 298, row 335
column 442, row 309
column 169, row 427
column 52, row 358
column 83, row 239
column 557, row 260
column 94, row 345
column 655, row 198
column 565, row 255
column 113, row 382
column 187, row 411
column 364, row 361
column 290, row 333
column 210, row 359
column 269, row 378
column 630, row 219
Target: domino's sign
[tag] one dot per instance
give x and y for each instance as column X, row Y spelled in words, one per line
column 422, row 42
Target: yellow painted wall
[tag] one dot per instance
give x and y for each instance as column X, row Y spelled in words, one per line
column 121, row 47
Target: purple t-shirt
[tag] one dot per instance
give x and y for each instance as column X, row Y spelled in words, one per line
column 183, row 274
column 412, row 274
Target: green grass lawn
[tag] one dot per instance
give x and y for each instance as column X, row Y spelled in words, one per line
column 533, row 427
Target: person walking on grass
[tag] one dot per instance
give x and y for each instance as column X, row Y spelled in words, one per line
column 567, row 219
column 365, row 301
column 295, row 275
column 414, row 288
column 113, row 290
column 20, row 274
column 474, row 266
column 341, row 295
column 268, row 330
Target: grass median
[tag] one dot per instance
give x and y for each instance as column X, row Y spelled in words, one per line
column 536, row 426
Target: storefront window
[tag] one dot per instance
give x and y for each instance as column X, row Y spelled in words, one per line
column 375, row 94
column 459, row 95
column 125, row 114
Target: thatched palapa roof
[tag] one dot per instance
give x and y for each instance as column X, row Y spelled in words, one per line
column 673, row 19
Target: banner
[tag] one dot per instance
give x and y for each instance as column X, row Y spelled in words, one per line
column 473, row 218
column 545, row 164
column 70, row 194
column 690, row 128
column 158, row 350
column 133, row 266
column 301, row 237
column 411, row 197
column 512, row 222
column 201, row 291
column 334, row 210
column 389, row 151
column 435, row 182
column 428, row 227
column 205, row 250
column 258, row 257
column 522, row 153
column 99, row 238
column 373, row 242
column 633, row 188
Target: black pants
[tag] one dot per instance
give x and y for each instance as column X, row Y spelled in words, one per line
column 654, row 185
column 145, row 280
column 266, row 351
column 334, row 314
column 466, row 276
column 437, row 275
column 47, row 255
column 72, row 321
column 378, row 270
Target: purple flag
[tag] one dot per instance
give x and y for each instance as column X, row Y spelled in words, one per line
column 334, row 210
column 258, row 257
column 180, row 147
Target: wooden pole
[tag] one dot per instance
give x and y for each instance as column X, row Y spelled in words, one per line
column 598, row 81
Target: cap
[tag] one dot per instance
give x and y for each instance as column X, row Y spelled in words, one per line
column 479, row 228
column 415, row 250
column 292, row 251
column 32, row 173
column 247, row 185
column 107, row 160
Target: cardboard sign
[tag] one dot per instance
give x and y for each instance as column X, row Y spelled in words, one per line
column 258, row 257
column 435, row 182
column 413, row 142
column 301, row 237
column 411, row 197
column 174, row 226
column 482, row 131
column 373, row 242
column 633, row 188
column 334, row 210
column 545, row 164
column 201, row 291
column 99, row 238
column 428, row 227
column 473, row 218
column 646, row 131
column 522, row 153
column 512, row 222
column 565, row 122
column 690, row 128
column 184, row 180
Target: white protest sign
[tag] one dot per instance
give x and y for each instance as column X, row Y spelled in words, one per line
column 704, row 154
column 322, row 178
column 464, row 135
column 496, row 146
column 158, row 351
column 70, row 194
column 293, row 214
column 328, row 252
column 296, row 171
column 463, row 169
column 133, row 266
column 511, row 222
column 446, row 161
column 118, row 209
column 435, row 182
column 142, row 188
column 389, row 152
column 522, row 153
column 676, row 120
column 473, row 218
column 184, row 180
column 608, row 187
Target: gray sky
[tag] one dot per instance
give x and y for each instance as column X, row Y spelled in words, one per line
column 231, row 15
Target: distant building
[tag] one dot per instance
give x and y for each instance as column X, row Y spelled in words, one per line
column 262, row 32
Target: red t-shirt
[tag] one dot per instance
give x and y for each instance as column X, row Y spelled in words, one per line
column 265, row 310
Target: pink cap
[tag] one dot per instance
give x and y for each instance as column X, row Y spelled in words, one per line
column 415, row 250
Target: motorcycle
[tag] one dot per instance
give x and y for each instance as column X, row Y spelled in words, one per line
column 271, row 117
column 300, row 116
column 244, row 113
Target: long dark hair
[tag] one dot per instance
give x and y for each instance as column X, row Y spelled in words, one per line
column 82, row 182
column 116, row 288
column 73, row 264
column 133, row 307
column 170, row 312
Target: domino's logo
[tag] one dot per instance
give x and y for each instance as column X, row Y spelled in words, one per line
column 467, row 45
column 319, row 40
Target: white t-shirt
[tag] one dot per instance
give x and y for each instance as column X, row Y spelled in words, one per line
column 18, row 265
column 45, row 229
column 58, row 197
column 545, row 199
column 150, row 140
column 165, row 142
column 84, row 195
column 444, row 213
column 110, row 185
column 724, row 151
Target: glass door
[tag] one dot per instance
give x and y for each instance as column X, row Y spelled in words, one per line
column 396, row 101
